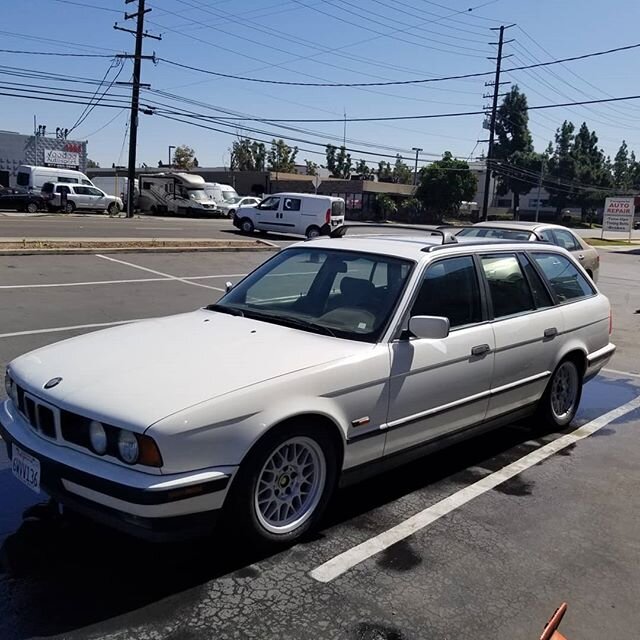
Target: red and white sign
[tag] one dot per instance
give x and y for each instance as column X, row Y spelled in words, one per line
column 618, row 214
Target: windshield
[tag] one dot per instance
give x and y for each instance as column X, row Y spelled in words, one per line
column 346, row 294
column 230, row 196
column 198, row 194
column 497, row 232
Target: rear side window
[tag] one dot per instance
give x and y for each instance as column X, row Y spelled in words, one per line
column 337, row 208
column 63, row 189
column 541, row 296
column 566, row 240
column 566, row 281
column 291, row 204
column 450, row 290
column 65, row 179
column 510, row 292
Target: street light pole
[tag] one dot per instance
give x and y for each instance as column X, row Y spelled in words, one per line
column 170, row 148
column 415, row 167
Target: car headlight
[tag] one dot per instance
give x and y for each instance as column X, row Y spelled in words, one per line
column 98, row 437
column 10, row 387
column 128, row 447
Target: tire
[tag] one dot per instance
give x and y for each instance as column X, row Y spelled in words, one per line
column 32, row 207
column 69, row 207
column 268, row 503
column 231, row 213
column 312, row 232
column 113, row 209
column 246, row 226
column 560, row 401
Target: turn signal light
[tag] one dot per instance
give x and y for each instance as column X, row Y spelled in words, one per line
column 149, row 452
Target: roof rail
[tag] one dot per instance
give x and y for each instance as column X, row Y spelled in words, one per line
column 535, row 234
column 447, row 237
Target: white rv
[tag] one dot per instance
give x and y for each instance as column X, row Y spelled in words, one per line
column 174, row 193
column 31, row 178
column 220, row 193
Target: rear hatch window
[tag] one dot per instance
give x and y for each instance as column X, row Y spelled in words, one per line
column 337, row 209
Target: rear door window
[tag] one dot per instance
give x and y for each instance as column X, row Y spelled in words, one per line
column 566, row 240
column 565, row 279
column 291, row 204
column 510, row 292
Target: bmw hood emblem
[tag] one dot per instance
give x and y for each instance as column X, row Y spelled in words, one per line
column 54, row 382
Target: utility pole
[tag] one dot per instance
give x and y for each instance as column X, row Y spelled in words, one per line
column 140, row 34
column 171, row 148
column 415, row 167
column 539, row 188
column 492, row 122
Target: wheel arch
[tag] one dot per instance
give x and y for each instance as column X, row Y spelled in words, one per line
column 578, row 355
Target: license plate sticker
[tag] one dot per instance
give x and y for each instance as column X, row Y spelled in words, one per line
column 26, row 468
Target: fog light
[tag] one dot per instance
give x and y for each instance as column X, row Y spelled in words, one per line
column 98, row 438
column 128, row 447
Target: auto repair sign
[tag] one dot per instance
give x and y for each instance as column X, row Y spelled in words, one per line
column 618, row 214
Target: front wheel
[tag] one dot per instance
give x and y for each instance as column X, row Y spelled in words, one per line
column 284, row 485
column 312, row 232
column 32, row 207
column 231, row 213
column 113, row 209
column 559, row 404
column 246, row 226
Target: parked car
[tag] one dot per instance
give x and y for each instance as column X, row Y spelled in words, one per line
column 533, row 231
column 333, row 360
column 229, row 207
column 29, row 202
column 69, row 197
column 298, row 213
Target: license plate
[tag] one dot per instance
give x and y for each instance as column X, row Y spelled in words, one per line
column 26, row 468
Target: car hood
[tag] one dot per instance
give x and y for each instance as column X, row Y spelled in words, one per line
column 139, row 373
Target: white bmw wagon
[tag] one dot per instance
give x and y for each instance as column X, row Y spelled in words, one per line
column 336, row 358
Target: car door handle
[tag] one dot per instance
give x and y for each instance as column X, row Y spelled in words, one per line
column 480, row 350
column 551, row 332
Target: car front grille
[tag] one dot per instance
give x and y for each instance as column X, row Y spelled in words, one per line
column 40, row 417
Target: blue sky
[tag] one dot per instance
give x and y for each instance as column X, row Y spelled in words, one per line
column 369, row 40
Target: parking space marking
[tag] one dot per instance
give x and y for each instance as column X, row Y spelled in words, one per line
column 160, row 273
column 96, row 282
column 341, row 563
column 95, row 325
column 622, row 373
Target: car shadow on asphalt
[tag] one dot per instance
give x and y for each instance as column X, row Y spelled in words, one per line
column 62, row 573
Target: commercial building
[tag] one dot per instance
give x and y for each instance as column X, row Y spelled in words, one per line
column 40, row 150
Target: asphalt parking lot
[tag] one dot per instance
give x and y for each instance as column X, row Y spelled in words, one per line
column 483, row 540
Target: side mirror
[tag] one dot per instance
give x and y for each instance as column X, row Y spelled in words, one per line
column 431, row 327
column 228, row 286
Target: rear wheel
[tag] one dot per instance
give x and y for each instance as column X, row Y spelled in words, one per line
column 32, row 207
column 69, row 207
column 312, row 232
column 284, row 485
column 246, row 226
column 559, row 404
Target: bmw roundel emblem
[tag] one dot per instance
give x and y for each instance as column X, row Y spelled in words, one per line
column 53, row 383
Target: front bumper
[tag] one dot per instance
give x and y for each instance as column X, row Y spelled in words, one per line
column 151, row 506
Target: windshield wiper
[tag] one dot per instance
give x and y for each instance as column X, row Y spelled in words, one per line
column 293, row 322
column 221, row 308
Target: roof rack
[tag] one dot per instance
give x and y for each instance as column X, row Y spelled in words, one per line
column 535, row 234
column 447, row 237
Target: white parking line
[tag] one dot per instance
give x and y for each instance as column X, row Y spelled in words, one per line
column 623, row 373
column 96, row 282
column 341, row 563
column 159, row 273
column 72, row 328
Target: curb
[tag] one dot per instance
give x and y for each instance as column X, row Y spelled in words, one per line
column 93, row 250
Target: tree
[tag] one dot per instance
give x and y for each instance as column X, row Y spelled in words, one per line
column 282, row 157
column 183, row 157
column 386, row 206
column 513, row 147
column 385, row 174
column 402, row 173
column 92, row 164
column 444, row 185
column 248, row 156
column 591, row 169
column 561, row 169
column 338, row 162
column 312, row 168
column 634, row 171
column 622, row 169
column 363, row 170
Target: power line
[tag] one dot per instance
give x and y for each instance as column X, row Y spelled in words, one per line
column 398, row 82
column 52, row 53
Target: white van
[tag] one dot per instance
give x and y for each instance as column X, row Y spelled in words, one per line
column 300, row 213
column 220, row 193
column 30, row 178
